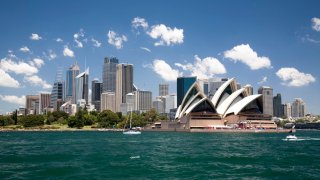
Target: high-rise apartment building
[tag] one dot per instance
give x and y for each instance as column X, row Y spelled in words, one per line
column 267, row 99
column 124, row 83
column 108, row 101
column 71, row 75
column 287, row 110
column 44, row 101
column 96, row 88
column 277, row 106
column 298, row 108
column 32, row 104
column 183, row 85
column 109, row 74
column 82, row 87
column 163, row 89
column 142, row 101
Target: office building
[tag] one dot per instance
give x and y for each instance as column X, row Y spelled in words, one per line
column 142, row 101
column 277, row 106
column 96, row 88
column 158, row 105
column 287, row 110
column 71, row 75
column 183, row 85
column 82, row 87
column 108, row 101
column 170, row 102
column 163, row 89
column 32, row 104
column 267, row 99
column 249, row 89
column 57, row 95
column 298, row 108
column 109, row 74
column 124, row 83
column 44, row 102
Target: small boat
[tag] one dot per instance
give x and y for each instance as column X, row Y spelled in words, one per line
column 131, row 131
column 291, row 138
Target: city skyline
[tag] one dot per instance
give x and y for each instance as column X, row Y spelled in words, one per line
column 255, row 42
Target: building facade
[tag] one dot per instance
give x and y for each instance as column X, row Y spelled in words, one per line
column 170, row 103
column 163, row 89
column 142, row 101
column 44, row 102
column 32, row 104
column 277, row 106
column 82, row 87
column 96, row 88
column 267, row 99
column 183, row 85
column 109, row 74
column 158, row 105
column 108, row 101
column 57, row 95
column 287, row 110
column 298, row 108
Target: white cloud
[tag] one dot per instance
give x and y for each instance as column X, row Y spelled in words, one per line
column 139, row 22
column 315, row 23
column 77, row 37
column 7, row 81
column 116, row 40
column 246, row 55
column 38, row 62
column 204, row 68
column 165, row 71
column 59, row 40
column 17, row 67
column 37, row 81
column 309, row 39
column 10, row 54
column 25, row 49
column 96, row 43
column 35, row 37
column 263, row 80
column 52, row 55
column 68, row 52
column 14, row 99
column 292, row 77
column 146, row 49
column 166, row 35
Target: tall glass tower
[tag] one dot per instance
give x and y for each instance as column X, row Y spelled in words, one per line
column 183, row 85
column 124, row 83
column 71, row 74
column 109, row 74
column 82, row 86
column 96, row 87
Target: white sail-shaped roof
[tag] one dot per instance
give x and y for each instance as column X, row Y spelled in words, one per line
column 223, row 107
column 195, row 104
column 219, row 92
column 236, row 108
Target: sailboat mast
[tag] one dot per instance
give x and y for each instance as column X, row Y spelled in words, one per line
column 130, row 117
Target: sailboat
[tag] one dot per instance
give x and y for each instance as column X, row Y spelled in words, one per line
column 131, row 131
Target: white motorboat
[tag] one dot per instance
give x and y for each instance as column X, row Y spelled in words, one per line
column 291, row 138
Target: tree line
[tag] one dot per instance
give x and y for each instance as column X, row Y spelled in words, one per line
column 104, row 119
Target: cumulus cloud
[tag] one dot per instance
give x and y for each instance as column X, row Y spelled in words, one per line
column 20, row 67
column 59, row 40
column 116, row 40
column 246, row 55
column 35, row 37
column 14, row 99
column 146, row 49
column 292, row 77
column 38, row 62
column 166, row 35
column 25, row 49
column 77, row 37
column 68, row 52
column 37, row 81
column 263, row 80
column 95, row 42
column 315, row 23
column 139, row 22
column 204, row 68
column 7, row 81
column 51, row 55
column 165, row 71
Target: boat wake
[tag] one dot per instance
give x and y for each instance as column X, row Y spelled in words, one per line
column 302, row 139
column 135, row 157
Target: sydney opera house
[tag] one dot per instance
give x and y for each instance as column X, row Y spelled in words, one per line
column 229, row 107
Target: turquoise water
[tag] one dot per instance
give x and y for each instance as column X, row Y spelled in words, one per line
column 153, row 155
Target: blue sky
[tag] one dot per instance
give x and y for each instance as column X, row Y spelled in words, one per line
column 268, row 43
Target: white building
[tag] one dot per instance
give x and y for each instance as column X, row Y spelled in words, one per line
column 108, row 101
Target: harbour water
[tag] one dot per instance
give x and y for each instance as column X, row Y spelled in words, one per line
column 158, row 155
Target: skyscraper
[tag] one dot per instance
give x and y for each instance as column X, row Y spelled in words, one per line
column 71, row 75
column 82, row 86
column 44, row 101
column 96, row 88
column 249, row 89
column 57, row 95
column 287, row 110
column 32, row 104
column 267, row 99
column 163, row 89
column 277, row 106
column 183, row 85
column 108, row 101
column 142, row 100
column 298, row 108
column 109, row 74
column 124, row 83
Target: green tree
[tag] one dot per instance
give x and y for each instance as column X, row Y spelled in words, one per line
column 108, row 119
column 59, row 114
column 151, row 116
column 6, row 120
column 89, row 119
column 32, row 120
column 14, row 117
